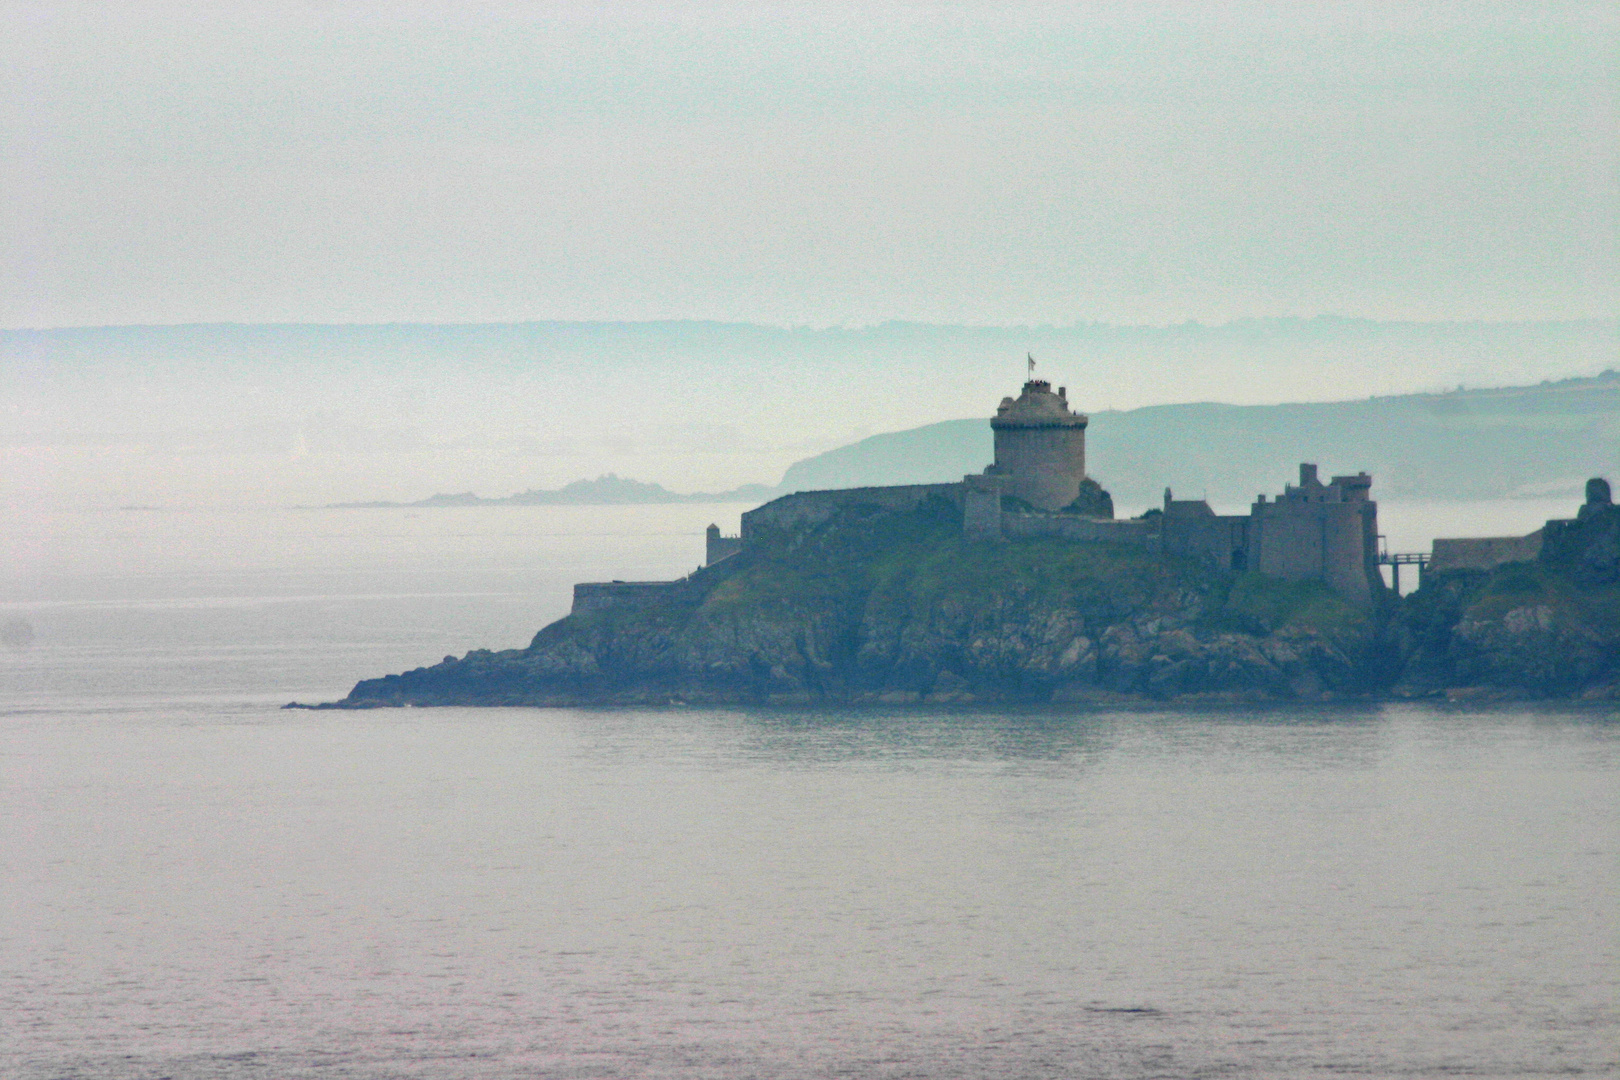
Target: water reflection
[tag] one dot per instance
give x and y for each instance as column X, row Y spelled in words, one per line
column 1291, row 735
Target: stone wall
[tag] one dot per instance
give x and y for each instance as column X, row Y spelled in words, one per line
column 1136, row 532
column 1043, row 466
column 600, row 595
column 1552, row 543
column 981, row 507
column 1323, row 532
column 1588, row 547
column 1335, row 542
column 1482, row 552
column 1220, row 541
column 717, row 547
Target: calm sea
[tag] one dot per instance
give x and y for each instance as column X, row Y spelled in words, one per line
column 195, row 884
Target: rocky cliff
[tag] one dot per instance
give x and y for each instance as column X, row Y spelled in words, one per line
column 1548, row 628
column 902, row 608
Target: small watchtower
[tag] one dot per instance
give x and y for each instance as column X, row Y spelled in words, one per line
column 1040, row 446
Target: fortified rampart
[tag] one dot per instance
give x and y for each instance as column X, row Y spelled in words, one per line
column 717, row 547
column 603, row 595
column 1482, row 552
column 1546, row 543
column 1588, row 546
column 600, row 595
column 1316, row 531
column 1189, row 528
column 1311, row 532
column 1136, row 532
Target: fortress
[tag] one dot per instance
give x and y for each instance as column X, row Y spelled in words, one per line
column 932, row 593
column 1037, row 486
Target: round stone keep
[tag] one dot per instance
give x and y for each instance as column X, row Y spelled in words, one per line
column 1040, row 447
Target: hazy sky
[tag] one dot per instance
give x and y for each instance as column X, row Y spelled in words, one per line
column 796, row 164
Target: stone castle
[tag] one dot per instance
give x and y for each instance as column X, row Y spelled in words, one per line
column 1037, row 486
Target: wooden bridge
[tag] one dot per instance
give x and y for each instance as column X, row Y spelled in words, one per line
column 1396, row 560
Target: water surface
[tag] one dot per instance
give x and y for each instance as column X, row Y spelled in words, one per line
column 195, row 884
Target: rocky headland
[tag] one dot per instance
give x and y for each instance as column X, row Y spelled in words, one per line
column 901, row 608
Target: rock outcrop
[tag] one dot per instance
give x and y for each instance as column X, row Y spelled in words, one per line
column 901, row 607
column 1547, row 628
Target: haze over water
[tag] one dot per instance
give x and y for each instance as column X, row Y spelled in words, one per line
column 648, row 207
column 198, row 884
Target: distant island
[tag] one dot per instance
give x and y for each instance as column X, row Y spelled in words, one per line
column 605, row 490
column 1018, row 584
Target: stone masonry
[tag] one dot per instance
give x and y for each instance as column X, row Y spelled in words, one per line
column 1040, row 447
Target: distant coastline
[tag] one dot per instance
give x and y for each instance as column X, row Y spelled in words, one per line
column 605, row 490
column 1530, row 441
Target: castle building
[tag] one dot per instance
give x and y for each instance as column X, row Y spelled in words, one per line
column 1311, row 532
column 1037, row 487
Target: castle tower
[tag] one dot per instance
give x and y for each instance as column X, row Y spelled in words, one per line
column 1040, row 447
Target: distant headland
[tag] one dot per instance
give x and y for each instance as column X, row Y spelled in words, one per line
column 1541, row 440
column 1018, row 583
column 605, row 490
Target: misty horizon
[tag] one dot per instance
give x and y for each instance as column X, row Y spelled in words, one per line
column 305, row 254
column 306, row 414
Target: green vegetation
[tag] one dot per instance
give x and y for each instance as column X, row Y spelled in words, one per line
column 1255, row 604
column 1519, row 585
column 906, row 563
column 901, row 607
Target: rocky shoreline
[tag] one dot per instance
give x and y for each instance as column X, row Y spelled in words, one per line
column 902, row 609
